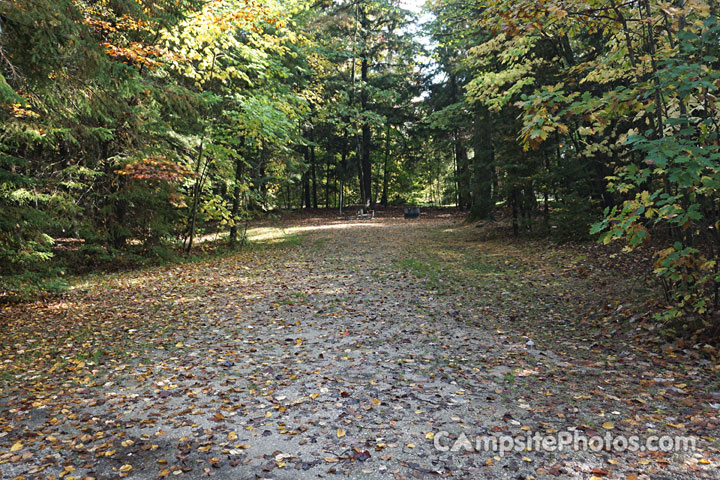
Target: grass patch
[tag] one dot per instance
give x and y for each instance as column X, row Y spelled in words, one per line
column 428, row 270
column 58, row 276
column 273, row 236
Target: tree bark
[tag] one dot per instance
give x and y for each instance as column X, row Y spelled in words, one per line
column 306, row 181
column 386, row 175
column 366, row 166
column 327, row 180
column 197, row 190
column 313, row 174
column 515, row 223
column 237, row 193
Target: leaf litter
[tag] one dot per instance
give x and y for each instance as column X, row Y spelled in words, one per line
column 344, row 354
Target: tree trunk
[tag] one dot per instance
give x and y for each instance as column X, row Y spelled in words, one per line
column 515, row 224
column 197, row 190
column 365, row 144
column 306, row 182
column 483, row 166
column 261, row 176
column 386, row 175
column 342, row 189
column 327, row 180
column 237, row 192
column 461, row 157
column 313, row 174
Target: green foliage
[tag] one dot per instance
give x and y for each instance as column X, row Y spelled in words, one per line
column 603, row 106
column 119, row 120
column 676, row 186
column 133, row 128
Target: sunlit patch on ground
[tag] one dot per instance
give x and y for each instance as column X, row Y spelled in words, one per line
column 344, row 346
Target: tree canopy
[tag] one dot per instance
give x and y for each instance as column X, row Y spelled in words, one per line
column 135, row 126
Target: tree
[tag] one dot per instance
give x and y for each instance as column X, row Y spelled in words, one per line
column 607, row 105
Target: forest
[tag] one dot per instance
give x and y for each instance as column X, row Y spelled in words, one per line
column 212, row 262
column 131, row 128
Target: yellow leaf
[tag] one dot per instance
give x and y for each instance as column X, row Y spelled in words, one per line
column 526, row 459
column 16, row 446
column 126, row 468
column 232, row 436
column 704, row 461
column 608, row 425
column 331, row 459
column 340, row 433
column 430, row 435
column 410, row 445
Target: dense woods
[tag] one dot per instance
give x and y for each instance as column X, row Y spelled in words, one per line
column 600, row 117
column 129, row 128
column 359, row 238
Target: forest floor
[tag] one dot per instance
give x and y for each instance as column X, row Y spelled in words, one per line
column 352, row 348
